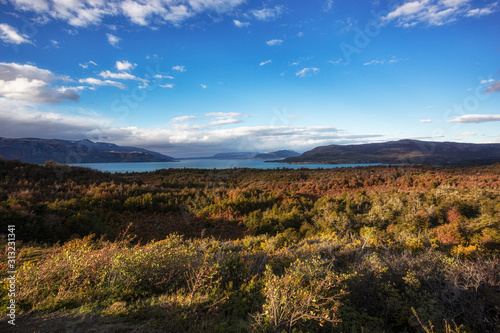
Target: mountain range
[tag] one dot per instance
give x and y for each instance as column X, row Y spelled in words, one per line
column 34, row 150
column 278, row 154
column 403, row 152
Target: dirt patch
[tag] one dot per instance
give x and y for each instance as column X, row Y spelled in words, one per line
column 75, row 323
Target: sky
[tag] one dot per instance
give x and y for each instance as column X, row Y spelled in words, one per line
column 198, row 77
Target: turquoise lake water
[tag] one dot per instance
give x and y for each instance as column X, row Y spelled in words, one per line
column 206, row 164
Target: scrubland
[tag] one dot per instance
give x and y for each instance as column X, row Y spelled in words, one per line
column 366, row 249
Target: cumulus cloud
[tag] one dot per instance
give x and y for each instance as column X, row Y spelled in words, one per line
column 274, row 42
column 240, row 24
column 166, row 85
column 436, row 12
column 20, row 120
column 476, row 118
column 265, row 62
column 308, row 71
column 182, row 119
column 144, row 13
column 10, row 35
column 179, row 68
column 96, row 82
column 267, row 14
column 113, row 40
column 33, row 84
column 179, row 139
column 219, row 6
column 120, row 76
column 125, row 65
column 159, row 76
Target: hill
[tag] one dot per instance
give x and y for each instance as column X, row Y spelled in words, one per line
column 403, row 152
column 34, row 150
column 277, row 154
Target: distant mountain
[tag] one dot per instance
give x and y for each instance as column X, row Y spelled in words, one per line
column 277, row 154
column 232, row 156
column 35, row 150
column 403, row 152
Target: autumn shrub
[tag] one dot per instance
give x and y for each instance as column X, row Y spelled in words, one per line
column 305, row 296
column 85, row 269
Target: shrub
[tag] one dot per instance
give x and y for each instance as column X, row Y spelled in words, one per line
column 305, row 295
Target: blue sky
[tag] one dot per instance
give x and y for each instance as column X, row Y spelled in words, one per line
column 197, row 77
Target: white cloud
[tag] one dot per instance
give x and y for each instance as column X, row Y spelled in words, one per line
column 166, row 85
column 33, row 84
column 182, row 119
column 179, row 68
column 203, row 86
column 120, row 76
column 86, row 64
column 335, row 62
column 140, row 12
column 382, row 62
column 477, row 12
column 224, row 114
column 486, row 81
column 426, row 121
column 476, row 118
column 159, row 76
column 18, row 120
column 179, row 139
column 493, row 88
column 467, row 134
column 113, row 40
column 307, row 72
column 223, row 118
column 328, row 5
column 219, row 6
column 274, row 42
column 10, row 35
column 240, row 24
column 125, row 65
column 177, row 14
column 96, row 82
column 267, row 14
column 265, row 62
column 436, row 12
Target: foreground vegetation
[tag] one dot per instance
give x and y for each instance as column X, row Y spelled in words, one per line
column 372, row 249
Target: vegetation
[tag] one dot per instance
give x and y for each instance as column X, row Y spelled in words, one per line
column 367, row 249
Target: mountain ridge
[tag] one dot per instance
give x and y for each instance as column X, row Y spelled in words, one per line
column 404, row 151
column 36, row 150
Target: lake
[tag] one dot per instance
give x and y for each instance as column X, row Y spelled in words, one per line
column 206, row 164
